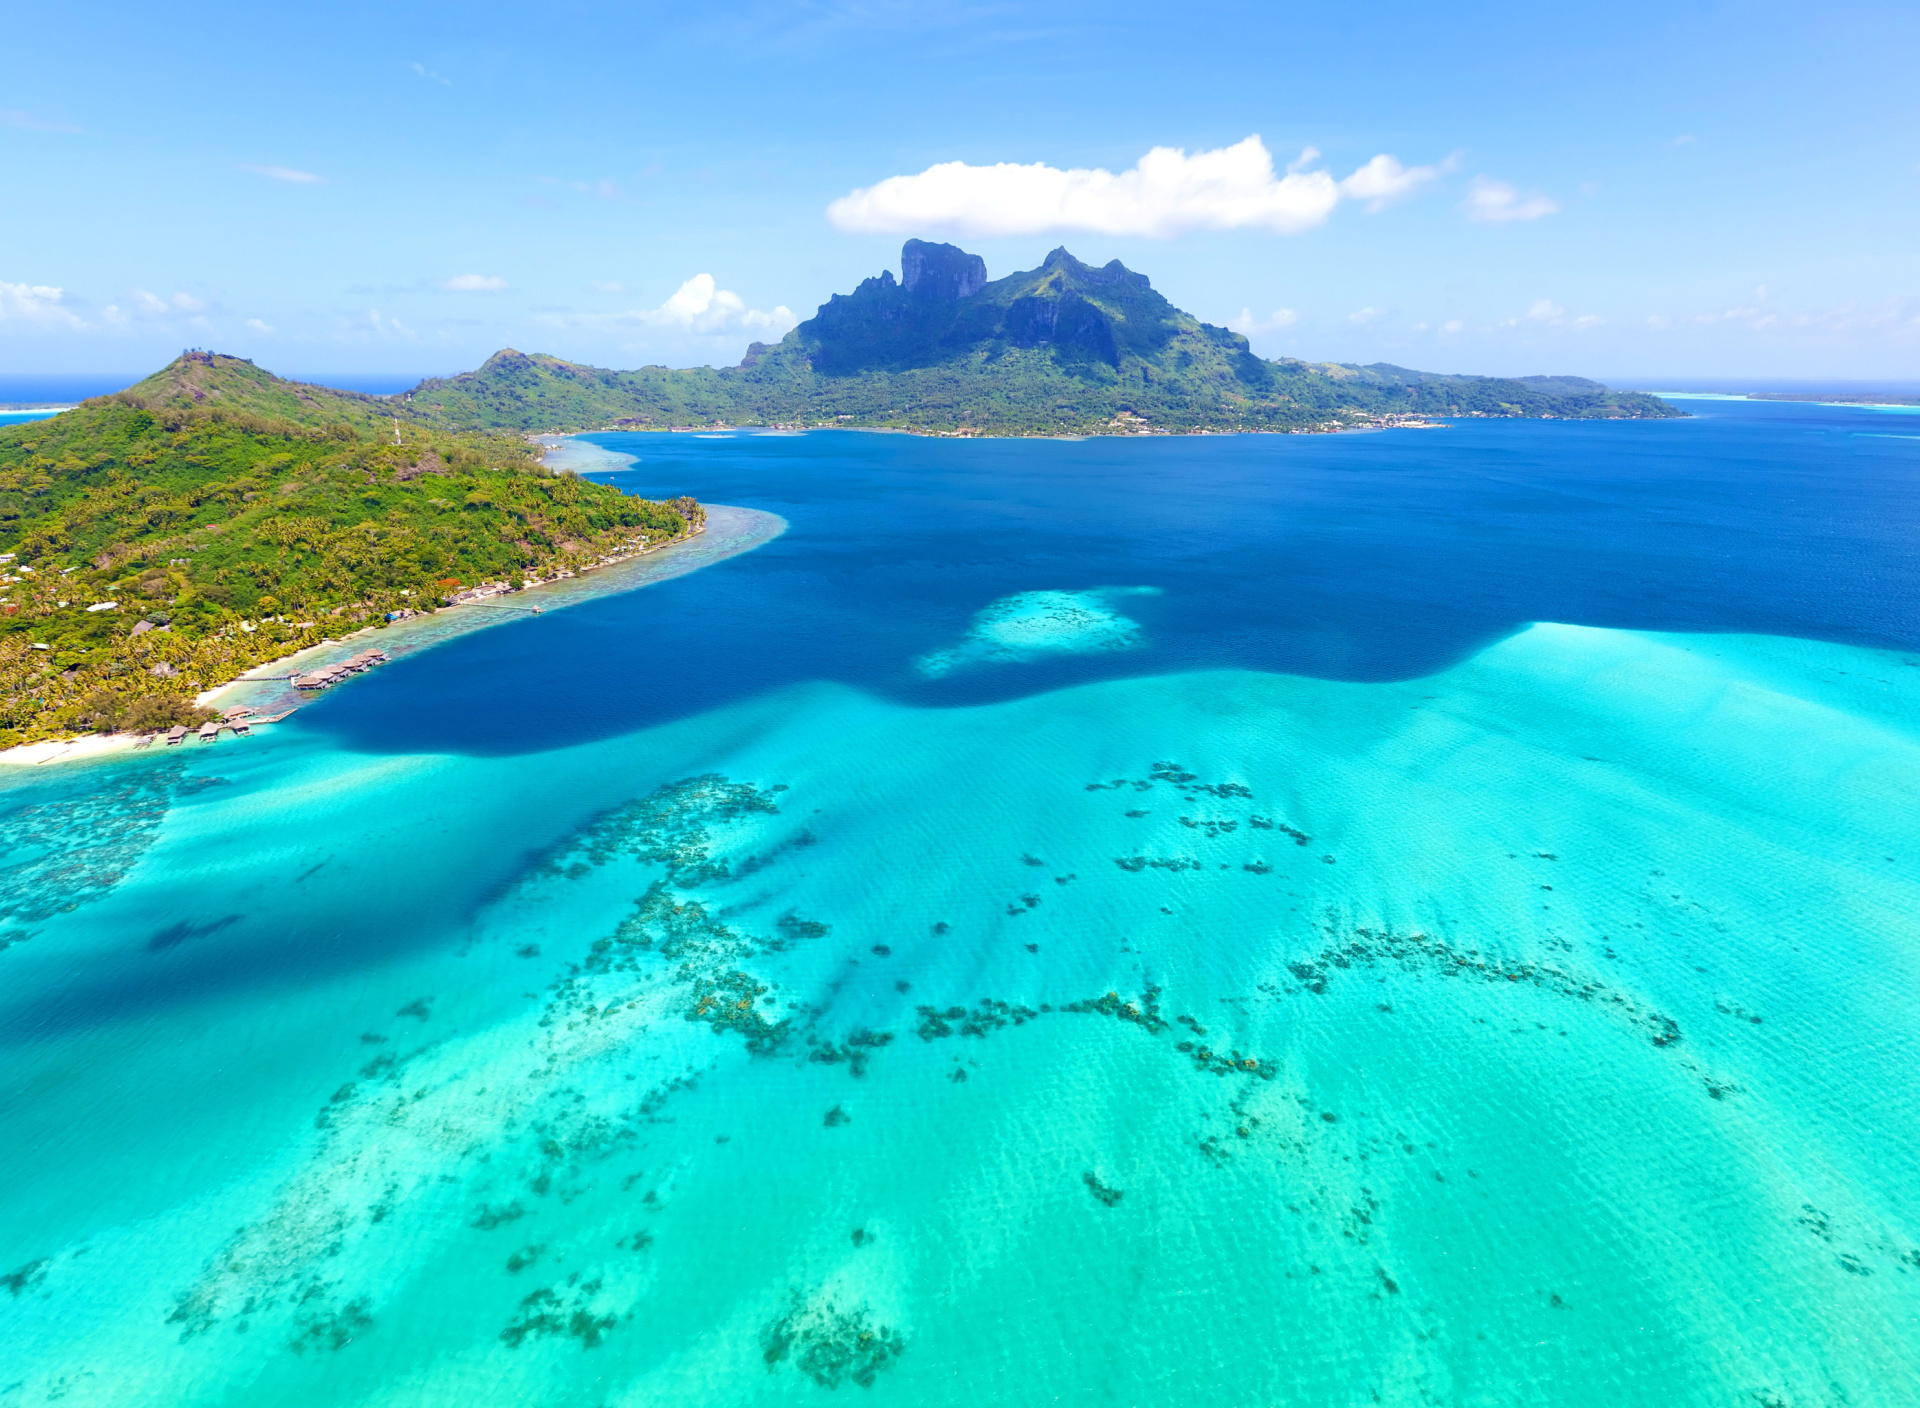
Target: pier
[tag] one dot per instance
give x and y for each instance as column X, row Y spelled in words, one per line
column 329, row 675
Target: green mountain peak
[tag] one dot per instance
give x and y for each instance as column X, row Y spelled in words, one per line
column 1064, row 347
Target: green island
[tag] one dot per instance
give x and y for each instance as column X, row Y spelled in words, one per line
column 161, row 541
column 1063, row 349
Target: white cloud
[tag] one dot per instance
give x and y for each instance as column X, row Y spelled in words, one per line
column 698, row 306
column 283, row 173
column 431, row 76
column 1249, row 326
column 36, row 303
column 26, row 121
column 1544, row 312
column 1166, row 194
column 372, row 322
column 474, row 283
column 1384, row 180
column 1452, row 325
column 1365, row 316
column 261, row 326
column 1498, row 201
column 147, row 305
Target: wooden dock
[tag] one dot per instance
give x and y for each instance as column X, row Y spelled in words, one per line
column 329, row 675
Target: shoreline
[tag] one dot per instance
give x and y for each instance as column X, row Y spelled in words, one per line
column 551, row 438
column 267, row 687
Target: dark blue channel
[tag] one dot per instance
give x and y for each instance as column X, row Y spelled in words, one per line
column 1357, row 557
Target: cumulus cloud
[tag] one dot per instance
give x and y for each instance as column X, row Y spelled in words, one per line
column 1496, row 202
column 1168, row 193
column 474, row 283
column 260, row 325
column 698, row 306
column 1363, row 316
column 1544, row 312
column 1384, row 180
column 36, row 303
column 1249, row 326
column 283, row 173
column 147, row 305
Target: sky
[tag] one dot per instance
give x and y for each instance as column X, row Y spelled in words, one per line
column 1676, row 191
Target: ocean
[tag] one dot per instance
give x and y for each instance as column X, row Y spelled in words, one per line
column 1419, row 917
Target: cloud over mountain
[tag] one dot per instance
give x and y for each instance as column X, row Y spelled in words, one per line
column 1167, row 193
column 699, row 306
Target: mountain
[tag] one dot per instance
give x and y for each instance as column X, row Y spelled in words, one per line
column 164, row 539
column 1065, row 347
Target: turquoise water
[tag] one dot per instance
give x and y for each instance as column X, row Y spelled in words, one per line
column 1016, row 988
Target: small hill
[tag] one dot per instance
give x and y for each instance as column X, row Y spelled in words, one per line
column 211, row 381
column 1064, row 347
column 164, row 539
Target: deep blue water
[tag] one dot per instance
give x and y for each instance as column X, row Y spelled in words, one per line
column 1352, row 557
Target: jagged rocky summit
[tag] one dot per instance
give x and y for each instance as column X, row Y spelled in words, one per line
column 1066, row 347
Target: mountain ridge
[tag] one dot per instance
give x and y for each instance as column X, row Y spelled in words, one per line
column 1065, row 347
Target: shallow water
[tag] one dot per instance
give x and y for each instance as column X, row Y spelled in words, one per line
column 1301, row 980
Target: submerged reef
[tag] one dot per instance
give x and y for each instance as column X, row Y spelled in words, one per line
column 567, row 1309
column 59, row 854
column 684, row 978
column 829, row 1345
column 1029, row 625
column 536, row 1137
column 1372, row 948
column 670, row 826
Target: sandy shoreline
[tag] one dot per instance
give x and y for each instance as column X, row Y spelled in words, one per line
column 729, row 532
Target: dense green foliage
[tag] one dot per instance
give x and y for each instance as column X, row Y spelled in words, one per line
column 1065, row 347
column 230, row 517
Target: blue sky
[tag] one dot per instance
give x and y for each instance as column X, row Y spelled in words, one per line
column 1683, row 189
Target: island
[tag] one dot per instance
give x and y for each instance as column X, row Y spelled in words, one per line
column 1065, row 349
column 159, row 542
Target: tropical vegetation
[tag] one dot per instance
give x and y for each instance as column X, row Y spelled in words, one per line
column 164, row 539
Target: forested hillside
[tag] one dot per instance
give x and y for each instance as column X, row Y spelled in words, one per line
column 163, row 539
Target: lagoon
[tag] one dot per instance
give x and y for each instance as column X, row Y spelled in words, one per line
column 1415, row 917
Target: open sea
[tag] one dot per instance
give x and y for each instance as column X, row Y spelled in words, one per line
column 1413, row 918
